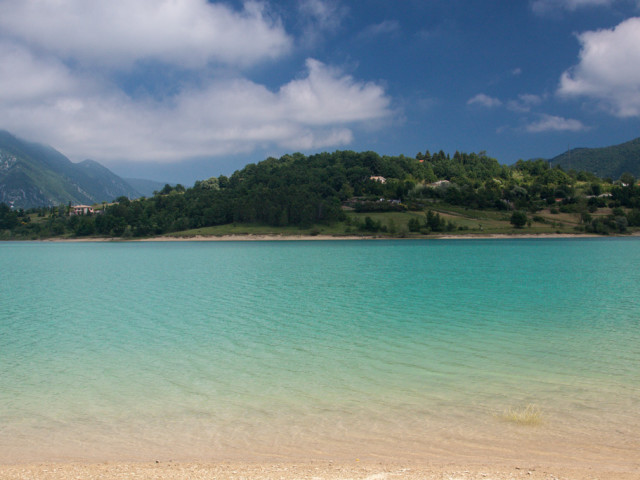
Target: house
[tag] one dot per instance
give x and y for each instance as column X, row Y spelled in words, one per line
column 378, row 179
column 81, row 210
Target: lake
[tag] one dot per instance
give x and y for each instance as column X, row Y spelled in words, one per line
column 319, row 350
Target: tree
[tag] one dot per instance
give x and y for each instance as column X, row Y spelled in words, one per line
column 166, row 190
column 85, row 226
column 621, row 223
column 518, row 219
column 627, row 179
column 371, row 225
column 434, row 223
column 413, row 224
column 8, row 218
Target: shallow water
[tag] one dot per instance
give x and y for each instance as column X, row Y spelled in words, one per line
column 386, row 349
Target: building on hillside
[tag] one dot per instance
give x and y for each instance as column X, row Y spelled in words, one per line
column 81, row 210
column 378, row 179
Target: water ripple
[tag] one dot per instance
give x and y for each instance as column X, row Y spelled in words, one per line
column 226, row 343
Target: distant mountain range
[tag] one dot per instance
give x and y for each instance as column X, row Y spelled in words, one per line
column 34, row 175
column 606, row 162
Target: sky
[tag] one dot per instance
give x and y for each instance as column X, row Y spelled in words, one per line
column 181, row 90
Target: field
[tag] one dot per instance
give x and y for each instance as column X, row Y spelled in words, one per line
column 460, row 221
column 394, row 224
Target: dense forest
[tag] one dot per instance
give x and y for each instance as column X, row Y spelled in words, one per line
column 604, row 162
column 299, row 190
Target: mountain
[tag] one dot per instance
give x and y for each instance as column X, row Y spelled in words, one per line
column 33, row 175
column 146, row 187
column 606, row 162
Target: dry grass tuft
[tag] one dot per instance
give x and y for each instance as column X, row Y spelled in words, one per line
column 529, row 415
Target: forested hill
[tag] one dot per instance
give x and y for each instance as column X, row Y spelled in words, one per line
column 329, row 188
column 303, row 190
column 606, row 162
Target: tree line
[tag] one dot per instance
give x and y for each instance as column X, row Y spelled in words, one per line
column 300, row 190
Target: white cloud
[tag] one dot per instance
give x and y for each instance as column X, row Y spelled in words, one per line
column 25, row 77
column 327, row 14
column 549, row 123
column 542, row 7
column 222, row 117
column 386, row 27
column 319, row 17
column 62, row 64
column 525, row 102
column 326, row 96
column 484, row 101
column 190, row 33
column 608, row 69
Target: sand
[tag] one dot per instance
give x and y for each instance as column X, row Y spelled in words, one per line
column 311, row 470
column 267, row 238
column 212, row 238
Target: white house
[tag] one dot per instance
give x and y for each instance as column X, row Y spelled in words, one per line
column 81, row 210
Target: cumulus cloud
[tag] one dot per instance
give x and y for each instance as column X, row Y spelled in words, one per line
column 221, row 117
column 119, row 32
column 484, row 101
column 524, row 102
column 63, row 64
column 548, row 123
column 25, row 77
column 523, row 105
column 608, row 69
column 327, row 96
column 542, row 7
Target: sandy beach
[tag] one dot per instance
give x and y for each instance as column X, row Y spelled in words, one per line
column 267, row 238
column 311, row 470
column 203, row 238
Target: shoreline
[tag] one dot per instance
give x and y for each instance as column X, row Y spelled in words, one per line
column 305, row 238
column 317, row 470
column 276, row 237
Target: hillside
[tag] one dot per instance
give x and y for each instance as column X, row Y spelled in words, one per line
column 606, row 162
column 363, row 194
column 33, row 175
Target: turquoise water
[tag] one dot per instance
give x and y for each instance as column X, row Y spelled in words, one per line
column 215, row 350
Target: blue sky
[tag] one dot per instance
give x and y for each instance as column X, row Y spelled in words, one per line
column 184, row 90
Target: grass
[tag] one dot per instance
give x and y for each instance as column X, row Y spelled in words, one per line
column 399, row 218
column 530, row 415
column 254, row 229
column 471, row 222
column 467, row 222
